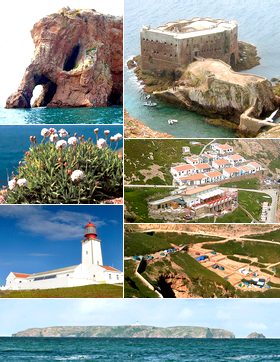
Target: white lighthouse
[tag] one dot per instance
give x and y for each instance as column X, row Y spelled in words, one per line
column 91, row 247
column 90, row 271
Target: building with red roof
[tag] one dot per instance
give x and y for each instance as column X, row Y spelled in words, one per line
column 90, row 271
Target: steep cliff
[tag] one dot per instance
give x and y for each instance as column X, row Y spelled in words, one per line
column 212, row 88
column 78, row 59
column 131, row 331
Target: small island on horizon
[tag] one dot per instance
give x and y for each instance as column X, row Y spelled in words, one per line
column 131, row 331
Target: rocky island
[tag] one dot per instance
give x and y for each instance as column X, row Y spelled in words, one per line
column 194, row 63
column 130, row 331
column 256, row 335
column 78, row 59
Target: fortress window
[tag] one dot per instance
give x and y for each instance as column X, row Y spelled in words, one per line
column 171, row 55
column 165, row 54
column 175, row 55
column 165, row 42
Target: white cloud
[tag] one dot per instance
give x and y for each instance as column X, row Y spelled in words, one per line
column 56, row 224
column 255, row 326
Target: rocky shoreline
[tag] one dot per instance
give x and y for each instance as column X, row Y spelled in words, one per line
column 136, row 129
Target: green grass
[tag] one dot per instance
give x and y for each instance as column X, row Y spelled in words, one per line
column 207, row 283
column 241, row 260
column 133, row 287
column 237, row 216
column 267, row 271
column 137, row 199
column 274, row 164
column 164, row 152
column 253, row 183
column 265, row 252
column 87, row 291
column 273, row 236
column 252, row 201
column 148, row 243
column 275, row 285
column 141, row 244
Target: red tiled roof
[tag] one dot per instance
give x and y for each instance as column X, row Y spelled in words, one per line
column 198, row 176
column 195, row 158
column 213, row 174
column 21, row 275
column 221, row 162
column 183, row 168
column 235, row 157
column 224, row 147
column 201, row 166
column 108, row 268
column 232, row 169
column 254, row 164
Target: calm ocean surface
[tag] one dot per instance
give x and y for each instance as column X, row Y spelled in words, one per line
column 15, row 139
column 125, row 349
column 258, row 23
column 44, row 115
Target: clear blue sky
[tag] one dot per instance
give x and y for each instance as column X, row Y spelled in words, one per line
column 240, row 316
column 41, row 238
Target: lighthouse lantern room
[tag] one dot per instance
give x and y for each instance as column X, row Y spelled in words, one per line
column 91, row 247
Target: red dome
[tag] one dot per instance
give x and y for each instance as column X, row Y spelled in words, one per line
column 90, row 231
column 89, row 224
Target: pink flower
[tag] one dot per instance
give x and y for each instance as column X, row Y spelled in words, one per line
column 118, row 136
column 45, row 132
column 22, row 182
column 54, row 137
column 61, row 144
column 63, row 133
column 101, row 143
column 73, row 141
column 12, row 184
column 77, row 175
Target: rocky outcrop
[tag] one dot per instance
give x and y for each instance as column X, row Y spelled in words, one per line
column 212, row 88
column 131, row 331
column 256, row 335
column 136, row 129
column 78, row 59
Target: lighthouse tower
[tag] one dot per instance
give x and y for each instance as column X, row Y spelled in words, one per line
column 91, row 247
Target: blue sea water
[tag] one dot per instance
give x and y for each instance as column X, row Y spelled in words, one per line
column 258, row 24
column 14, row 139
column 44, row 115
column 138, row 350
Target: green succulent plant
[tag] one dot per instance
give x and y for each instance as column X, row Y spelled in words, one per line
column 49, row 173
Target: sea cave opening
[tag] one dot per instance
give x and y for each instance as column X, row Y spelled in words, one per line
column 47, row 90
column 70, row 62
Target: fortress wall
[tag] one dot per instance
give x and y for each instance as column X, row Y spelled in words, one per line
column 166, row 50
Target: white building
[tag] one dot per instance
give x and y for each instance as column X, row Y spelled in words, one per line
column 90, row 271
column 194, row 160
column 214, row 176
column 182, row 170
column 222, row 149
column 235, row 159
column 231, row 172
column 220, row 164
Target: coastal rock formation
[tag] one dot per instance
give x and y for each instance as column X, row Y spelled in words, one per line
column 256, row 335
column 78, row 59
column 211, row 87
column 130, row 331
column 136, row 129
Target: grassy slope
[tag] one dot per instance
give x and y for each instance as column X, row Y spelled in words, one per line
column 88, row 291
column 251, row 201
column 265, row 252
column 133, row 287
column 273, row 236
column 165, row 152
column 143, row 243
column 237, row 216
column 253, row 183
column 137, row 199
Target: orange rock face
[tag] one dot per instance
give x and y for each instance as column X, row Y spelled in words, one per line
column 78, row 59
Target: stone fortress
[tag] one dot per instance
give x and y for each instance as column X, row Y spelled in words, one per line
column 177, row 44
